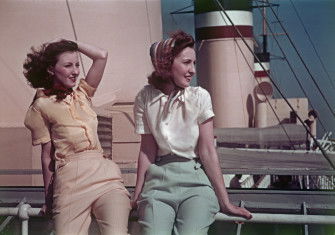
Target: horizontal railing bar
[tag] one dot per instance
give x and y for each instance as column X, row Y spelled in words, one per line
column 280, row 219
column 14, row 211
column 38, row 171
column 257, row 217
column 225, row 171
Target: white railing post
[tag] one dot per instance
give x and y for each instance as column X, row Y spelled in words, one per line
column 304, row 208
column 239, row 225
column 24, row 216
column 24, row 227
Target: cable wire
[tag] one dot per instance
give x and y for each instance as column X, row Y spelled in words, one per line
column 279, row 91
column 267, row 100
column 75, row 35
column 302, row 61
column 313, row 45
column 290, row 65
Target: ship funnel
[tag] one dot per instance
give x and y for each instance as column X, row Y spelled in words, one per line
column 225, row 65
column 263, row 91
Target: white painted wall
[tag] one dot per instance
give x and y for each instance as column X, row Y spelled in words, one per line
column 126, row 28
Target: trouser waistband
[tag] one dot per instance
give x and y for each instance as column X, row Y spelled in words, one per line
column 78, row 156
column 170, row 158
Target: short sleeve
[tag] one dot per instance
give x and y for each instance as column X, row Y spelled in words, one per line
column 86, row 88
column 38, row 126
column 206, row 109
column 141, row 124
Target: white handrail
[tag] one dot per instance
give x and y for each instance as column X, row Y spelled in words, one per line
column 280, row 218
column 25, row 211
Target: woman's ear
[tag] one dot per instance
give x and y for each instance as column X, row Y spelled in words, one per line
column 50, row 71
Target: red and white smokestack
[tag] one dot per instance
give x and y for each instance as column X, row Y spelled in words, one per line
column 225, row 65
column 263, row 90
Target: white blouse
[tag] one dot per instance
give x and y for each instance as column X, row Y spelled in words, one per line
column 173, row 122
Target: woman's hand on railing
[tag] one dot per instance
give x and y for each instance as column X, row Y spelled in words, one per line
column 231, row 209
column 46, row 210
column 133, row 203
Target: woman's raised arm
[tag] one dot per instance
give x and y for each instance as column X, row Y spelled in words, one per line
column 99, row 57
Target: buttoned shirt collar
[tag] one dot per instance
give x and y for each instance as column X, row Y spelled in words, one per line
column 67, row 99
column 159, row 94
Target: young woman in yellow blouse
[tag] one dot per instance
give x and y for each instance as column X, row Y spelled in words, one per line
column 78, row 179
column 179, row 184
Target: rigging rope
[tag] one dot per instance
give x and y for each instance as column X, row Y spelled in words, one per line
column 239, row 77
column 290, row 65
column 271, row 79
column 268, row 101
column 314, row 48
column 148, row 21
column 75, row 35
column 302, row 61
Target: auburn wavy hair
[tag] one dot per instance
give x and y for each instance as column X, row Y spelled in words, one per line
column 35, row 67
column 159, row 78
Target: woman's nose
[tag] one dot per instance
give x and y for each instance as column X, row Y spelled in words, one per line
column 76, row 70
column 192, row 69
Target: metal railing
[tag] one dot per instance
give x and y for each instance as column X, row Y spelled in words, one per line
column 279, row 218
column 24, row 212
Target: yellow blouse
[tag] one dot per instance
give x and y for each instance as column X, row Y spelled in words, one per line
column 70, row 124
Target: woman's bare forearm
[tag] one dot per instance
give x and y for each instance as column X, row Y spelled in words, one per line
column 99, row 57
column 147, row 155
column 47, row 170
column 211, row 164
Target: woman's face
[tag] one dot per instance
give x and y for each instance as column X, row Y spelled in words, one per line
column 66, row 70
column 183, row 67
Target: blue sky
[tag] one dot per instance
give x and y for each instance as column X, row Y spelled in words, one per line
column 317, row 17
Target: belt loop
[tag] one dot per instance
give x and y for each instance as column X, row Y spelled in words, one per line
column 60, row 163
column 197, row 164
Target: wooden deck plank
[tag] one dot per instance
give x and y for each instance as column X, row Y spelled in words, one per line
column 240, row 161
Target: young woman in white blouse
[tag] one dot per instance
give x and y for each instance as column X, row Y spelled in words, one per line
column 179, row 184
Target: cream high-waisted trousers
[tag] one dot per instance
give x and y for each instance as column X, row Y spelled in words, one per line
column 86, row 184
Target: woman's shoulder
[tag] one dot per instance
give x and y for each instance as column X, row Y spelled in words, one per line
column 147, row 89
column 148, row 92
column 197, row 91
column 41, row 101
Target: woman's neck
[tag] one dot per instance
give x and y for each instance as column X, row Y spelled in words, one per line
column 59, row 90
column 170, row 88
column 58, row 86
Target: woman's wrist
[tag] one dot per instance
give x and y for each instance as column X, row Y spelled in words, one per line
column 225, row 205
column 91, row 51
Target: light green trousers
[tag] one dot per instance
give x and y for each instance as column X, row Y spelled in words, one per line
column 177, row 198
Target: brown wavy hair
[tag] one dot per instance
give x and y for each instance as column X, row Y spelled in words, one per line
column 39, row 60
column 181, row 41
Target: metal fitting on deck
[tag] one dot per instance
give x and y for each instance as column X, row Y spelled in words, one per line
column 23, row 211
